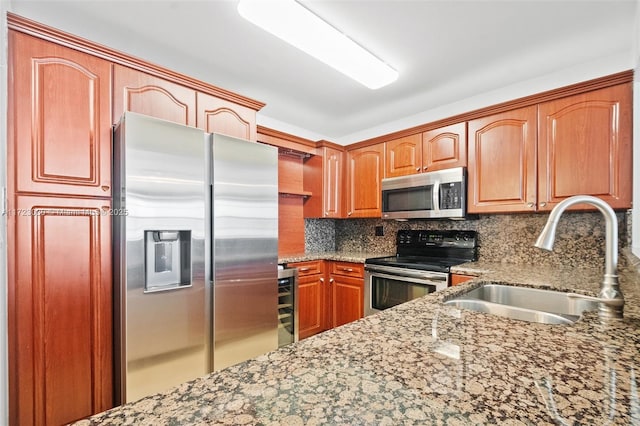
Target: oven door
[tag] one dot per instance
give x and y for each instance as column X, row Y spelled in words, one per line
column 386, row 286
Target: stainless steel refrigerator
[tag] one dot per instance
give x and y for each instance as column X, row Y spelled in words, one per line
column 195, row 253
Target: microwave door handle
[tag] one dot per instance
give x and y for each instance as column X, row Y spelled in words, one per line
column 435, row 195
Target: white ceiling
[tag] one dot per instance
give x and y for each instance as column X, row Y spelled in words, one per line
column 448, row 53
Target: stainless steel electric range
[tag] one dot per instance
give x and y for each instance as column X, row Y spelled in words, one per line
column 421, row 266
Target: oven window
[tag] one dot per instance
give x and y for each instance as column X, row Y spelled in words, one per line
column 408, row 199
column 386, row 292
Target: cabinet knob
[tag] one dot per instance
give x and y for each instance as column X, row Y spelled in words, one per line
column 530, row 204
column 417, row 169
column 330, row 280
column 425, row 168
column 542, row 204
column 349, row 214
column 322, row 280
column 326, row 213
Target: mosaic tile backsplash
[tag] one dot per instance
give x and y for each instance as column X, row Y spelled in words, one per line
column 505, row 238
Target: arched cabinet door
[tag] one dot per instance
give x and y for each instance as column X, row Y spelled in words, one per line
column 59, row 118
column 145, row 94
column 584, row 147
column 502, row 162
column 216, row 115
column 444, row 148
column 365, row 169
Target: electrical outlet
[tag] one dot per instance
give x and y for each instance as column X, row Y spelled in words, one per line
column 379, row 231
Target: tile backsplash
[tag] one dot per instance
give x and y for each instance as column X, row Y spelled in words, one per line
column 506, row 238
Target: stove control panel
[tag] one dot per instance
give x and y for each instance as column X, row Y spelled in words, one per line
column 437, row 238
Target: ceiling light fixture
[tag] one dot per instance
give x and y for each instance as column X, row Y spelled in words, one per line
column 298, row 26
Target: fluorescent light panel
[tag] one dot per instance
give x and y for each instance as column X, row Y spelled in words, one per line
column 293, row 23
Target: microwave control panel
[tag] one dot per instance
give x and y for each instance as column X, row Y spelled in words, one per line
column 451, row 196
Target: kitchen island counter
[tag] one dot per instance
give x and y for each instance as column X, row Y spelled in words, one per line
column 423, row 362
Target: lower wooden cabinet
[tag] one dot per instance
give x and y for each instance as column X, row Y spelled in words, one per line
column 60, row 309
column 330, row 294
column 457, row 279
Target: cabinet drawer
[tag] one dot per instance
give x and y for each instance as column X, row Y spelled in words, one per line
column 307, row 268
column 347, row 269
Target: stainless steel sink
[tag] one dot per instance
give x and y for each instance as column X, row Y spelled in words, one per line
column 526, row 304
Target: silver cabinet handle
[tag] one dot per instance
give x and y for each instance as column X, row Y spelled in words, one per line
column 530, row 204
column 347, row 269
column 305, row 269
column 542, row 204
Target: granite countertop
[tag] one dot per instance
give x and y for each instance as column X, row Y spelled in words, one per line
column 423, row 362
column 342, row 256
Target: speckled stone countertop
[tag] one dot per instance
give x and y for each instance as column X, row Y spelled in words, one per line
column 423, row 362
column 342, row 256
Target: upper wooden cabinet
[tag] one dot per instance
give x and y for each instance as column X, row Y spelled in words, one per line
column 60, row 126
column 584, row 147
column 215, row 115
column 530, row 159
column 502, row 162
column 444, row 148
column 403, row 156
column 139, row 92
column 365, row 168
column 323, row 177
column 437, row 149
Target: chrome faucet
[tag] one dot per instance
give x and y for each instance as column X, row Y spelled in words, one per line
column 610, row 296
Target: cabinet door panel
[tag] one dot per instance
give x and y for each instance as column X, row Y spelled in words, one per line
column 145, row 94
column 403, row 156
column 311, row 305
column 215, row 115
column 61, row 293
column 365, row 169
column 502, row 162
column 444, row 148
column 585, row 147
column 333, row 161
column 60, row 109
column 347, row 299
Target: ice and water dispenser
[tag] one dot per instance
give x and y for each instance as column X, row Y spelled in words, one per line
column 167, row 260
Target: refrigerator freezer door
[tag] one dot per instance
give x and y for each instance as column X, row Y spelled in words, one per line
column 162, row 314
column 245, row 249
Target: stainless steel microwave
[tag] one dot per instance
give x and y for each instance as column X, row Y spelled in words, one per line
column 439, row 194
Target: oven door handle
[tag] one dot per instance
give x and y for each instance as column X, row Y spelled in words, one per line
column 424, row 275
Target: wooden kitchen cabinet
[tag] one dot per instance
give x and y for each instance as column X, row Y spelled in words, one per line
column 346, row 282
column 584, row 147
column 437, row 149
column 502, row 162
column 215, row 115
column 403, row 156
column 60, row 310
column 457, row 279
column 532, row 158
column 146, row 94
column 323, row 177
column 365, row 169
column 444, row 148
column 60, row 119
column 312, row 298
